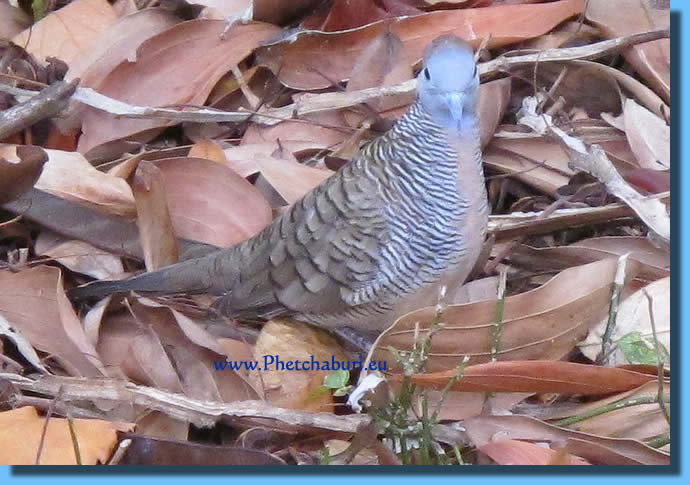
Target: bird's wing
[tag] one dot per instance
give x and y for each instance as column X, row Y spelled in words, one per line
column 317, row 255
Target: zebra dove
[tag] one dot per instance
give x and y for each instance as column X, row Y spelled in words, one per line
column 378, row 238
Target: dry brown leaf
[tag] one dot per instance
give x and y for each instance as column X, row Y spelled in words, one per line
column 23, row 433
column 70, row 176
column 654, row 262
column 514, row 452
column 156, row 231
column 294, row 341
column 68, row 33
column 543, row 324
column 597, row 450
column 649, row 136
column 78, row 256
column 623, row 17
column 494, row 97
column 289, row 179
column 210, row 203
column 117, row 44
column 35, row 304
column 592, row 159
column 178, row 66
column 382, row 63
column 159, row 425
column 536, row 376
column 18, row 177
column 208, row 150
column 311, row 60
column 537, row 162
column 633, row 316
column 640, row 422
column 12, row 20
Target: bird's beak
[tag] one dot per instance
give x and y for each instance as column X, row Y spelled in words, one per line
column 455, row 102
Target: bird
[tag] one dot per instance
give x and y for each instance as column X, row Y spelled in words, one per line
column 404, row 218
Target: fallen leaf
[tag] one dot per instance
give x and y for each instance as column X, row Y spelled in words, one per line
column 23, row 435
column 514, row 452
column 633, row 317
column 156, row 231
column 542, row 324
column 289, row 341
column 595, row 449
column 69, row 32
column 34, row 302
column 648, row 135
column 623, row 17
column 312, row 60
column 17, row 178
column 210, row 203
column 536, row 376
column 176, row 67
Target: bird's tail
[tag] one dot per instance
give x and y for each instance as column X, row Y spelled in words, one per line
column 199, row 275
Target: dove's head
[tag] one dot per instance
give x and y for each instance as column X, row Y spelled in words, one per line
column 448, row 84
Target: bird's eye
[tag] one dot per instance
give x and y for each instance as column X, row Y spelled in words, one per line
column 426, row 74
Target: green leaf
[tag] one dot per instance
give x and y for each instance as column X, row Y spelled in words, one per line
column 638, row 349
column 337, row 379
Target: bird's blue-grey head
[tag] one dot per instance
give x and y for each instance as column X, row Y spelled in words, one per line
column 448, row 83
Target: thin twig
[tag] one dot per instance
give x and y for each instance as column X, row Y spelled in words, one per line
column 659, row 358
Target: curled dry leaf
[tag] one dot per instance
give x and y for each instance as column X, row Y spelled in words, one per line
column 70, row 176
column 633, row 319
column 78, row 256
column 592, row 159
column 156, row 231
column 68, row 33
column 290, row 341
column 178, row 66
column 34, row 302
column 17, row 178
column 162, row 348
column 544, row 323
column 312, row 60
column 649, row 136
column 494, row 97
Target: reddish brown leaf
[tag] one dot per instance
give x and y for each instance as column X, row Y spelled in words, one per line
column 153, row 218
column 68, row 33
column 538, row 377
column 210, row 203
column 178, row 66
column 17, row 178
column 513, row 452
column 623, row 17
column 313, row 60
column 35, row 304
column 595, row 449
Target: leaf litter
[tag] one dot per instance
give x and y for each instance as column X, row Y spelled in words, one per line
column 187, row 134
